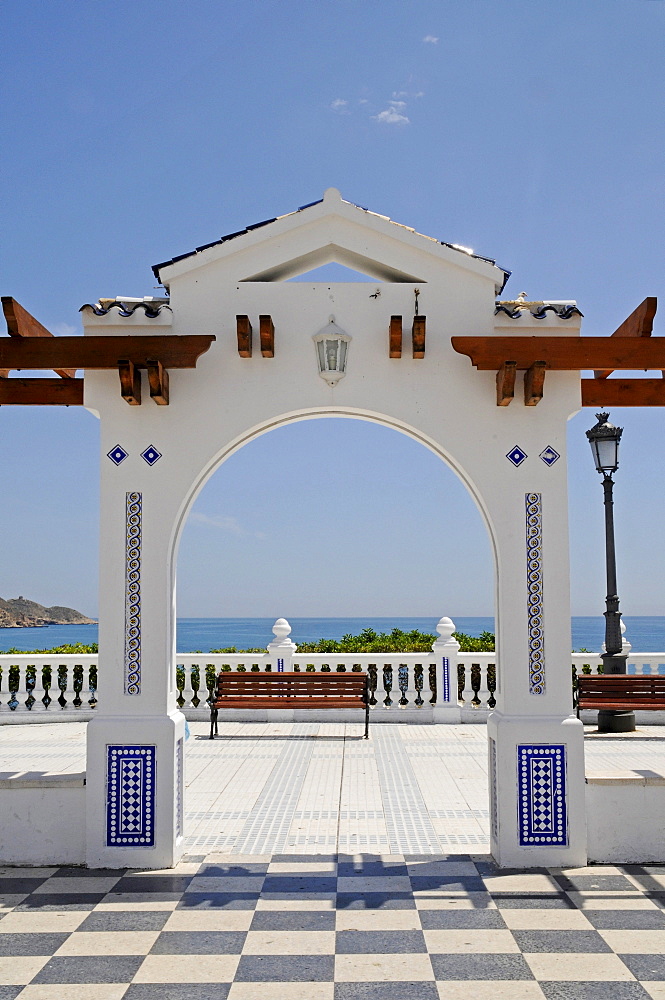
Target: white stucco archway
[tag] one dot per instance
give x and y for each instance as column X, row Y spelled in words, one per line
column 156, row 458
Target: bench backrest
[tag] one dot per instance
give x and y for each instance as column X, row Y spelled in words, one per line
column 613, row 686
column 291, row 684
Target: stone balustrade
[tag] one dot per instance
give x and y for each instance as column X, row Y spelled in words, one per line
column 57, row 687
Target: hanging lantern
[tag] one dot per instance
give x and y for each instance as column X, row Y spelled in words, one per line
column 331, row 349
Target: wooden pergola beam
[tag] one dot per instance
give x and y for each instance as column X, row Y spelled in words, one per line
column 20, row 323
column 623, row 392
column 97, row 353
column 41, row 392
column 395, row 337
column 563, row 353
column 638, row 324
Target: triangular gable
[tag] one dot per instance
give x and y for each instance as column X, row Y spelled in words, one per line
column 330, row 230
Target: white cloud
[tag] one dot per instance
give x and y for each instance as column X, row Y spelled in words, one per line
column 225, row 523
column 65, row 330
column 340, row 106
column 432, row 39
column 393, row 115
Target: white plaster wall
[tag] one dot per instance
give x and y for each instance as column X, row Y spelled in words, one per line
column 625, row 816
column 43, row 820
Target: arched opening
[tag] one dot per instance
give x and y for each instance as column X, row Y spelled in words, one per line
column 347, row 519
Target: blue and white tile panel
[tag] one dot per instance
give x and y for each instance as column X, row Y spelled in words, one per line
column 445, row 674
column 541, row 795
column 179, row 786
column 534, row 584
column 494, row 814
column 130, row 796
column 133, row 530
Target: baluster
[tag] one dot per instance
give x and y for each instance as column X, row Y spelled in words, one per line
column 14, row 684
column 403, row 683
column 180, row 684
column 387, row 684
column 195, row 681
column 371, row 683
column 62, row 684
column 30, row 675
column 92, row 685
column 432, row 683
column 37, row 689
column 47, row 680
column 475, row 684
column 491, row 684
column 461, row 681
column 418, row 683
column 211, row 682
column 77, row 684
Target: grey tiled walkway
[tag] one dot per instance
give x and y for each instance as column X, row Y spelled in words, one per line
column 309, row 788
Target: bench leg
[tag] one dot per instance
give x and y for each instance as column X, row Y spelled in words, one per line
column 367, row 721
column 213, row 723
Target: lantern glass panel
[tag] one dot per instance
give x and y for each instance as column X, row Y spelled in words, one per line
column 606, row 454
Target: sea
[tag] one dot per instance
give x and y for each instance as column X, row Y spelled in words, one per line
column 201, row 635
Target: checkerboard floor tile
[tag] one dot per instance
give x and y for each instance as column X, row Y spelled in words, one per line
column 334, row 927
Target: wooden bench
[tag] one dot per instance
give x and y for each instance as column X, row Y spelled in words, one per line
column 290, row 689
column 621, row 692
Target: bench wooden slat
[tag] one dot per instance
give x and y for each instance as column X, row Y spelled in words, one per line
column 290, row 689
column 621, row 692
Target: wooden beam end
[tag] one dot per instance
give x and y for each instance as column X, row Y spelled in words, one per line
column 505, row 383
column 267, row 336
column 130, row 382
column 395, row 337
column 418, row 335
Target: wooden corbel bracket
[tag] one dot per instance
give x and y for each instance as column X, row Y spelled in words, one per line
column 534, row 380
column 267, row 336
column 395, row 337
column 418, row 336
column 130, row 382
column 505, row 383
column 158, row 380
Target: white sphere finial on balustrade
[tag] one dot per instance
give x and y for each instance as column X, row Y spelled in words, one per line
column 281, row 629
column 445, row 628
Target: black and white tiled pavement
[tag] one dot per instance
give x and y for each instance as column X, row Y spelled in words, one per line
column 333, row 927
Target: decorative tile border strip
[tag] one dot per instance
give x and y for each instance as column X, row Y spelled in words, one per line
column 179, row 783
column 133, row 523
column 130, row 796
column 445, row 664
column 534, row 581
column 541, row 794
column 494, row 816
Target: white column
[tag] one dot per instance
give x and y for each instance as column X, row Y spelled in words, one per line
column 445, row 650
column 135, row 742
column 536, row 744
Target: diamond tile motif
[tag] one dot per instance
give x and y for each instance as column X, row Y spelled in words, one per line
column 117, row 454
column 516, row 455
column 130, row 802
column 151, row 455
column 542, row 794
column 549, row 456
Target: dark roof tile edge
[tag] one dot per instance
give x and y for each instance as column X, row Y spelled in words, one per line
column 562, row 311
column 123, row 311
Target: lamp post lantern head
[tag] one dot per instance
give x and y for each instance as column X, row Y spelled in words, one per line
column 604, row 439
column 331, row 349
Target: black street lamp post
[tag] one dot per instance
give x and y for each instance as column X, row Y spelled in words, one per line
column 604, row 440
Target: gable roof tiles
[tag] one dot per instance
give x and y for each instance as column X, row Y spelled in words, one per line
column 258, row 225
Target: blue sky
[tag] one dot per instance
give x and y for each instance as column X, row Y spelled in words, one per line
column 532, row 132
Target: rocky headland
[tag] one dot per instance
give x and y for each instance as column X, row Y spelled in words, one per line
column 18, row 612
